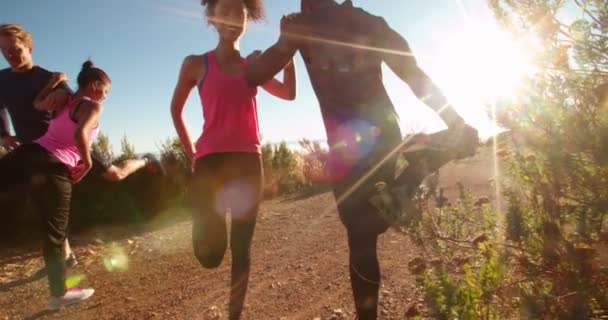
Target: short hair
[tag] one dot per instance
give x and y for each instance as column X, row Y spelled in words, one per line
column 17, row 31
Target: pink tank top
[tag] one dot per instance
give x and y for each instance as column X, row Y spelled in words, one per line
column 229, row 111
column 59, row 138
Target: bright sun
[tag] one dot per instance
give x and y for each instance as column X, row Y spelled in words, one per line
column 482, row 63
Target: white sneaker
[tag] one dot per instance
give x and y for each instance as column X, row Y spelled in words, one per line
column 72, row 296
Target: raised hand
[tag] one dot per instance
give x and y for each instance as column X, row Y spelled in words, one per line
column 81, row 171
column 254, row 55
column 58, row 77
column 291, row 26
column 10, row 142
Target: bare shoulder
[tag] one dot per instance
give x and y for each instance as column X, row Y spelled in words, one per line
column 91, row 106
column 193, row 60
column 193, row 67
column 371, row 21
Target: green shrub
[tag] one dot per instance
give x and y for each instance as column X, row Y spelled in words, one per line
column 554, row 194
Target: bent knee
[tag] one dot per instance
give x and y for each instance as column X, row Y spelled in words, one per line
column 208, row 258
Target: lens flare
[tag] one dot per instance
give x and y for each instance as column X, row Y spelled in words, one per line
column 238, row 196
column 357, row 137
column 116, row 260
column 74, row 280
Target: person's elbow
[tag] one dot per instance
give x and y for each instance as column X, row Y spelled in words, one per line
column 43, row 105
column 420, row 83
column 291, row 95
column 176, row 111
column 254, row 79
column 79, row 134
column 62, row 96
column 283, row 93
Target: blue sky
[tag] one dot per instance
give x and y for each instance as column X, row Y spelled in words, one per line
column 141, row 44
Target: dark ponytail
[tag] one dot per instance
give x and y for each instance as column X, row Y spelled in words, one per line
column 89, row 73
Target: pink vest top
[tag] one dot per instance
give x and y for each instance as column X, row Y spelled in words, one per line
column 229, row 111
column 59, row 138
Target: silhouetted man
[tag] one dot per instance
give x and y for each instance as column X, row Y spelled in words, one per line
column 343, row 48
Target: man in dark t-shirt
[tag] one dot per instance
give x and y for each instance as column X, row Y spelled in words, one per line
column 18, row 89
column 343, row 48
column 19, row 86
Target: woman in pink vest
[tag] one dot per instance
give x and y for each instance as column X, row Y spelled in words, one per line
column 50, row 166
column 227, row 156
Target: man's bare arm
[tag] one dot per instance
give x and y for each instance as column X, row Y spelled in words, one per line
column 402, row 62
column 269, row 64
column 273, row 60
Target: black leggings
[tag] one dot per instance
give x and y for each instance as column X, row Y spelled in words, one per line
column 221, row 181
column 49, row 183
column 364, row 224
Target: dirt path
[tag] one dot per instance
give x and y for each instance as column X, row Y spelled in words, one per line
column 299, row 267
column 299, row 272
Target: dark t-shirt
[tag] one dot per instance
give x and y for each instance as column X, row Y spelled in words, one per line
column 18, row 90
column 17, row 93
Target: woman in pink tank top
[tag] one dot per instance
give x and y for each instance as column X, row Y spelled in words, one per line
column 227, row 156
column 52, row 164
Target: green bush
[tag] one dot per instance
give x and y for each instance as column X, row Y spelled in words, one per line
column 554, row 194
column 138, row 198
column 282, row 170
column 127, row 149
column 314, row 166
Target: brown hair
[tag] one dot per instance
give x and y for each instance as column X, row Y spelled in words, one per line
column 17, row 31
column 90, row 73
column 255, row 8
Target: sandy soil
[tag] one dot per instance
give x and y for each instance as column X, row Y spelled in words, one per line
column 299, row 267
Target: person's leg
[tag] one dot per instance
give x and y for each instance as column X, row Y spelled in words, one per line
column 240, row 242
column 363, row 224
column 13, row 171
column 13, row 189
column 209, row 237
column 364, row 273
column 123, row 169
column 68, row 254
column 52, row 195
column 51, row 190
column 244, row 214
